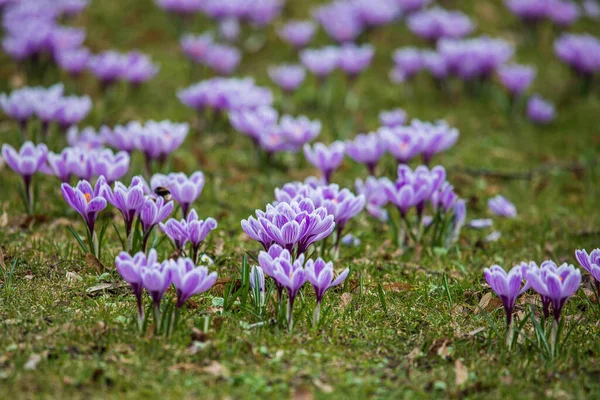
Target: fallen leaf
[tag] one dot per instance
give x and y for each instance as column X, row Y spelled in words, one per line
column 488, row 303
column 216, row 369
column 345, row 300
column 93, row 263
column 461, row 372
column 32, row 363
column 105, row 286
column 302, row 393
column 476, row 331
column 397, row 286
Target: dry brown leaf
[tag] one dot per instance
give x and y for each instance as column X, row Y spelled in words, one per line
column 345, row 300
column 302, row 393
column 488, row 303
column 461, row 372
column 475, row 331
column 396, row 286
column 93, row 263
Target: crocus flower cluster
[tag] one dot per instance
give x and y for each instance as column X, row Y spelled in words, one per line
column 254, row 12
column 393, row 118
column 436, row 23
column 225, row 94
column 580, row 52
column 343, row 21
column 291, row 274
column 145, row 272
column 184, row 190
column 350, row 58
column 376, row 199
column 262, row 126
column 87, row 163
column 287, row 76
column 189, row 230
column 561, row 12
column 32, row 30
column 341, row 203
column 49, row 105
column 156, row 140
column 293, row 226
column 111, row 66
column 202, row 49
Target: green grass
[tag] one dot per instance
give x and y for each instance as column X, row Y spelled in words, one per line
column 409, row 345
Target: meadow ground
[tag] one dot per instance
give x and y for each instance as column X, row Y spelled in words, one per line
column 430, row 333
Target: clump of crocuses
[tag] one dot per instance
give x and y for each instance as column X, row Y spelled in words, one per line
column 145, row 272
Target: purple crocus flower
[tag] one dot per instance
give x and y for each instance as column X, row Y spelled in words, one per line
column 128, row 200
column 181, row 7
column 87, row 201
column 354, row 59
column 26, row 162
column 18, row 106
column 321, row 62
column 254, row 122
column 366, row 149
column 73, row 61
column 437, row 137
column 554, row 284
column 326, row 158
column 156, row 279
column 409, row 6
column 62, row 165
column 298, row 131
column 197, row 230
column 287, row 76
column 108, row 67
column 517, row 78
column 298, row 33
column 85, row 139
column 320, row 275
column 183, row 189
column 540, row 111
column 373, row 190
column 176, row 231
column 402, row 142
column 189, row 279
column 130, row 268
column 500, row 206
column 268, row 260
column 293, row 225
column 229, row 29
column 435, row 64
column 139, row 68
column 408, row 62
column 563, row 13
column 222, row 59
column 292, row 276
column 123, row 137
column 152, row 212
column 530, row 11
column 436, row 23
column 393, row 118
column 257, row 278
column 444, row 199
column 591, row 9
column 375, row 13
column 591, row 263
column 112, row 166
column 506, row 285
column 71, row 111
column 580, row 52
column 196, row 47
column 157, row 140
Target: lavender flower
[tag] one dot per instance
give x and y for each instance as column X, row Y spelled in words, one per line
column 287, row 76
column 159, row 139
column 340, row 20
column 26, row 162
column 500, row 206
column 112, row 166
column 197, row 230
column 297, row 132
column 130, row 268
column 73, row 61
column 108, row 67
column 408, row 62
column 554, row 284
column 591, row 263
column 156, row 279
column 517, row 78
column 393, row 118
column 291, row 276
column 563, row 13
column 326, row 159
column 254, row 122
column 508, row 286
column 62, row 165
column 297, row 33
column 320, row 276
column 139, row 68
column 366, row 149
column 183, row 189
column 123, row 137
column 540, row 111
column 580, row 52
column 188, row 279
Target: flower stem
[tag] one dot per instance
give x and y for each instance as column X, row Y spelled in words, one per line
column 317, row 314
